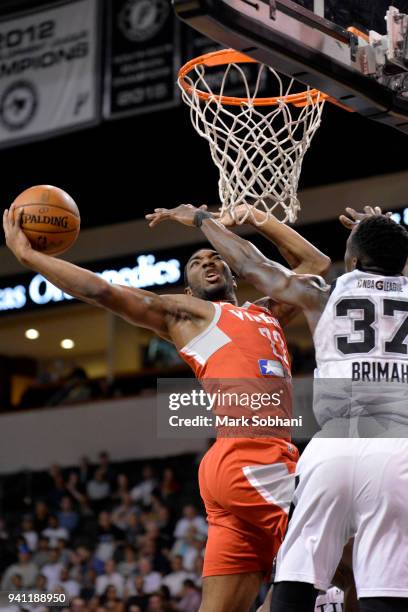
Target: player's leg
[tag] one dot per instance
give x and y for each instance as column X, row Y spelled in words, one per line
column 238, row 556
column 350, row 598
column 319, row 527
column 231, row 579
column 234, row 593
column 231, row 574
column 266, row 606
column 246, row 524
column 294, row 592
column 384, row 604
column 291, row 596
column 380, row 557
column 344, row 579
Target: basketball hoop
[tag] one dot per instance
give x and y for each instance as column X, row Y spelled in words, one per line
column 258, row 144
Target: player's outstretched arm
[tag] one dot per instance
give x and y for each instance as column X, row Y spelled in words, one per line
column 269, row 277
column 135, row 305
column 301, row 255
column 246, row 260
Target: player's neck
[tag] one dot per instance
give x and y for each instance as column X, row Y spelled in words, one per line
column 229, row 299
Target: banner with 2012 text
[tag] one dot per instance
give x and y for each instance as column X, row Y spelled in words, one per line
column 49, row 71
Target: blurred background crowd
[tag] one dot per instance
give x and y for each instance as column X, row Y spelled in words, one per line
column 107, row 540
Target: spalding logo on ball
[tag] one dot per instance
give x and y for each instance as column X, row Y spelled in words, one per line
column 50, row 220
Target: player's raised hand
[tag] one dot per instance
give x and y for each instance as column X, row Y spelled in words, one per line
column 183, row 214
column 354, row 217
column 16, row 240
column 241, row 213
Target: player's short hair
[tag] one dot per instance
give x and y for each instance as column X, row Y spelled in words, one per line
column 381, row 243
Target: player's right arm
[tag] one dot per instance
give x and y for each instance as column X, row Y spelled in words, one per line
column 139, row 307
column 269, row 277
column 302, row 256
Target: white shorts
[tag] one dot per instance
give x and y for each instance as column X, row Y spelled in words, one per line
column 350, row 488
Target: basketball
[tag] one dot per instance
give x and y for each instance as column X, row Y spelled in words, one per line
column 50, row 220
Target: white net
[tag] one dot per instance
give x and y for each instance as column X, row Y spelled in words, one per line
column 257, row 145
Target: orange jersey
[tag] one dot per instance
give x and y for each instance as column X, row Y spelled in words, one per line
column 246, row 482
column 241, row 356
column 240, row 342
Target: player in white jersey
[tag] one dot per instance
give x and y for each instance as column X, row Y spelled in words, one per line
column 349, row 487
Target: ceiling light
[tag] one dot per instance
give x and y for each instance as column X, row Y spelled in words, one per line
column 32, row 334
column 67, row 344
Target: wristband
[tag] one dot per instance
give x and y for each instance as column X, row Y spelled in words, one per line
column 200, row 216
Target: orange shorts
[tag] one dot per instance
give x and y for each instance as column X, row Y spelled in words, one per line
column 247, row 487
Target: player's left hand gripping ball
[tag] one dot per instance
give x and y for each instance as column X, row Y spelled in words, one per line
column 50, row 218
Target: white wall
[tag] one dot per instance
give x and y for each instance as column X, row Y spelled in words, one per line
column 126, row 428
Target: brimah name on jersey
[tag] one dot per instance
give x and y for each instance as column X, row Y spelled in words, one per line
column 377, row 371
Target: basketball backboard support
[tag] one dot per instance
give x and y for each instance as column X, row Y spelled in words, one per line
column 363, row 74
column 319, row 7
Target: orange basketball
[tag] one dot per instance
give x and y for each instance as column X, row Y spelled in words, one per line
column 50, row 220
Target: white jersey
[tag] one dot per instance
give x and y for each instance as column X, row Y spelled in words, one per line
column 362, row 337
column 353, row 475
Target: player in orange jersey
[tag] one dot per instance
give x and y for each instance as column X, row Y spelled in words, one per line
column 247, row 483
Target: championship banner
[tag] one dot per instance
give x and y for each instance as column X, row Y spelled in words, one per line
column 49, row 71
column 143, row 57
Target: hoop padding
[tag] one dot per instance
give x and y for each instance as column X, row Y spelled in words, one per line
column 257, row 143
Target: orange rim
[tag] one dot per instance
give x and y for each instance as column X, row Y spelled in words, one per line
column 230, row 56
column 358, row 33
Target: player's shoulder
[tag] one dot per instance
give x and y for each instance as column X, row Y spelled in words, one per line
column 182, row 298
column 177, row 297
column 182, row 302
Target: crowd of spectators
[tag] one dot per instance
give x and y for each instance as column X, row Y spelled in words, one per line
column 110, row 539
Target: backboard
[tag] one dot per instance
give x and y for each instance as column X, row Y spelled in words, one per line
column 368, row 14
column 368, row 74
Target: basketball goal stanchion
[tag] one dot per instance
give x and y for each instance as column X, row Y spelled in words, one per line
column 257, row 143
